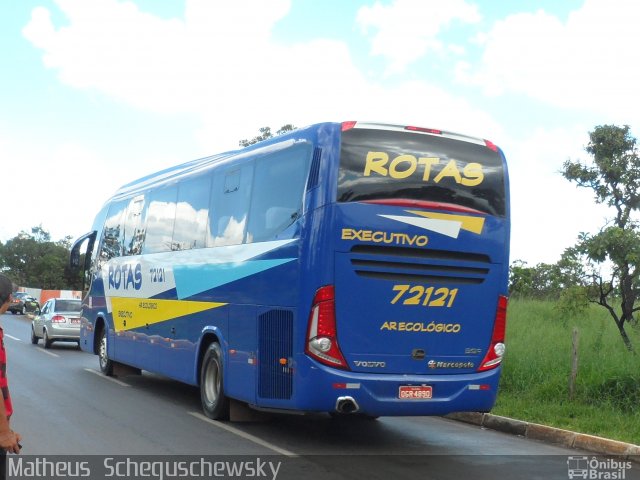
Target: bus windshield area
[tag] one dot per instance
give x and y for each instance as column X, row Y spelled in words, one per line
column 378, row 165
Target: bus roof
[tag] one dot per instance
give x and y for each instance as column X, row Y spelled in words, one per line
column 266, row 146
column 416, row 129
column 273, row 144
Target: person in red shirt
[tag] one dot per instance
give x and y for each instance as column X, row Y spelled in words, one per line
column 9, row 440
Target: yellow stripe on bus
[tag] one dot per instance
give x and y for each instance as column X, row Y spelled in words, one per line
column 471, row 224
column 129, row 313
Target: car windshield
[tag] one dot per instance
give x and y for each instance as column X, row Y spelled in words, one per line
column 68, row 305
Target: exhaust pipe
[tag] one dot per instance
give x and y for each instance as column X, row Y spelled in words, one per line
column 346, row 405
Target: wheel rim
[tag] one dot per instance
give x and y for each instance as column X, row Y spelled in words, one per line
column 103, row 351
column 212, row 382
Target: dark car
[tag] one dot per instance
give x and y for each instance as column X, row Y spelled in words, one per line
column 22, row 302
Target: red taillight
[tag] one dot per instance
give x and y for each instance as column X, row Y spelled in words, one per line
column 424, row 130
column 494, row 355
column 322, row 335
column 58, row 319
column 348, row 125
column 490, row 145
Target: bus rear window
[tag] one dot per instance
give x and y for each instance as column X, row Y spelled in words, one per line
column 393, row 165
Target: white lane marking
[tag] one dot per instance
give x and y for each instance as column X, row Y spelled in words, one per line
column 111, row 379
column 12, row 337
column 48, row 352
column 246, row 436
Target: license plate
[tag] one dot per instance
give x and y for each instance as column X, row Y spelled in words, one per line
column 75, row 320
column 410, row 392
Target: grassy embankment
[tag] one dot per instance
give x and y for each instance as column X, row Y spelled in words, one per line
column 537, row 366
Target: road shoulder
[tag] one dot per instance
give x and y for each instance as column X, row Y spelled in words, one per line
column 552, row 435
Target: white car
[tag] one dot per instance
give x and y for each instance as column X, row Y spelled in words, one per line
column 59, row 319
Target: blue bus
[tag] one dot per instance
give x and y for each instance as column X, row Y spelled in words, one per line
column 348, row 268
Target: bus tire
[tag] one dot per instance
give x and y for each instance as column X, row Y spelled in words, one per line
column 215, row 403
column 106, row 365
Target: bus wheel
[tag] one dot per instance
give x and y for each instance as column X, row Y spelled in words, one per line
column 106, row 365
column 214, row 402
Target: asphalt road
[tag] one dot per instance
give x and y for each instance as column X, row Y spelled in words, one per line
column 64, row 406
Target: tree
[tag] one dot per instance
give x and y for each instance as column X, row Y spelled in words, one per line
column 265, row 133
column 545, row 280
column 614, row 177
column 34, row 260
column 530, row 282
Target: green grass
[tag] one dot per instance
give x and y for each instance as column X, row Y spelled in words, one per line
column 535, row 380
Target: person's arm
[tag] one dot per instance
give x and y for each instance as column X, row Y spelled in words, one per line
column 8, row 438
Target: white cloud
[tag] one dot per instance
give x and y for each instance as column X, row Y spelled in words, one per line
column 589, row 62
column 221, row 63
column 63, row 188
column 548, row 212
column 349, row 97
column 408, row 29
column 152, row 63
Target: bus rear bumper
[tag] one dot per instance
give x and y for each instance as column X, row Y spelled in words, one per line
column 330, row 390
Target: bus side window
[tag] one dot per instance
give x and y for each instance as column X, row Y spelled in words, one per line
column 161, row 216
column 134, row 226
column 112, row 244
column 192, row 213
column 230, row 206
column 278, row 190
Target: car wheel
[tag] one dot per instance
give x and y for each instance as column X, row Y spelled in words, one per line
column 46, row 340
column 214, row 401
column 13, row 312
column 34, row 338
column 106, row 365
column 23, row 310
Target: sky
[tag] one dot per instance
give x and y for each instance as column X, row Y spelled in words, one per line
column 94, row 94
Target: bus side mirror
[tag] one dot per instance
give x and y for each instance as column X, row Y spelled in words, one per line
column 74, row 259
column 74, row 255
